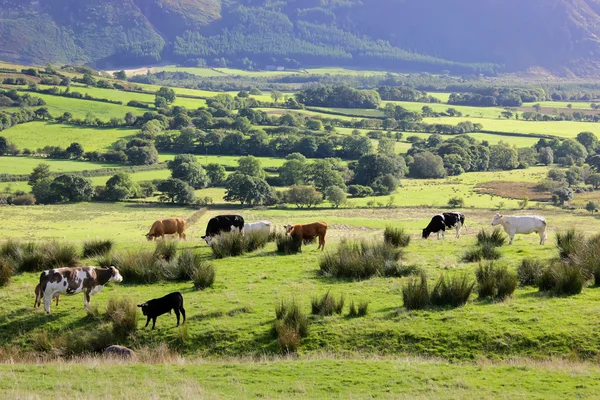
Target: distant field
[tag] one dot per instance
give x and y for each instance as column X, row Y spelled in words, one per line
column 575, row 105
column 58, row 105
column 352, row 112
column 25, row 165
column 481, row 112
column 307, row 113
column 34, row 135
column 443, row 96
column 228, row 160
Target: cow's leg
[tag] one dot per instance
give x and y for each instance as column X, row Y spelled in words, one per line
column 47, row 301
column 543, row 237
column 86, row 299
column 147, row 322
column 177, row 315
column 183, row 313
column 511, row 235
column 36, row 303
column 57, row 298
column 153, row 322
column 438, row 234
column 443, row 233
column 458, row 228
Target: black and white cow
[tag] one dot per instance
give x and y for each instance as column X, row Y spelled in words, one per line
column 222, row 223
column 442, row 221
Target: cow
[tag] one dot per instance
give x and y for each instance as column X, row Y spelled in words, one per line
column 262, row 226
column 155, row 307
column 169, row 226
column 309, row 232
column 73, row 280
column 522, row 224
column 440, row 222
column 38, row 297
column 222, row 223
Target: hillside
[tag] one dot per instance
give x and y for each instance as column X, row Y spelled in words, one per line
column 421, row 35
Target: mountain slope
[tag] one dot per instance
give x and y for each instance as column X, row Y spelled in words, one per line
column 467, row 36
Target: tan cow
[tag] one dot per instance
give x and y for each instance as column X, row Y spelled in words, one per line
column 38, row 297
column 309, row 231
column 169, row 226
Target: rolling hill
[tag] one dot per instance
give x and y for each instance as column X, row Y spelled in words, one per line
column 474, row 36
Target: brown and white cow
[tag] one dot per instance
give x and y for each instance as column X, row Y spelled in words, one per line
column 309, row 231
column 89, row 280
column 169, row 226
column 38, row 296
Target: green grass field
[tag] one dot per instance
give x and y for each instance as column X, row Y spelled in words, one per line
column 58, row 105
column 35, row 135
column 25, row 165
column 478, row 112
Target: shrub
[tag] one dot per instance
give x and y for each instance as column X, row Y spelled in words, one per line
column 562, row 278
column 291, row 325
column 106, row 260
column 529, row 271
column 287, row 244
column 79, row 342
column 396, row 237
column 97, row 247
column 188, row 263
column 123, row 315
column 232, row 244
column 495, row 282
column 204, row 276
column 327, row 305
column 415, row 294
column 486, row 252
column 142, row 267
column 6, row 272
column 32, row 257
column 496, row 238
column 456, row 202
column 452, row 292
column 166, row 250
column 24, row 200
column 361, row 311
column 569, row 242
column 360, row 260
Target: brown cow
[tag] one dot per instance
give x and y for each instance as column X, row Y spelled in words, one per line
column 169, row 226
column 38, row 297
column 309, row 231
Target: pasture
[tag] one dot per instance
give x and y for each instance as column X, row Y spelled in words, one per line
column 38, row 134
column 25, row 165
column 58, row 105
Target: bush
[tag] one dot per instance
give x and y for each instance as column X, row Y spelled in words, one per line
column 233, row 244
column 291, row 325
column 415, row 294
column 24, row 200
column 287, row 244
column 123, row 315
column 6, row 272
column 78, row 342
column 32, row 257
column 327, row 305
column 204, row 276
column 360, row 260
column 569, row 242
column 142, row 267
column 166, row 250
column 496, row 238
column 361, row 311
column 562, row 278
column 529, row 271
column 456, row 202
column 452, row 292
column 97, row 247
column 396, row 237
column 106, row 260
column 495, row 282
column 486, row 252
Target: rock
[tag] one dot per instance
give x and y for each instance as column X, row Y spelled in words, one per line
column 119, row 351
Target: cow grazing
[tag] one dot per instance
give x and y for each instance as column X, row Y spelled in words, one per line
column 38, row 297
column 155, row 307
column 262, row 226
column 522, row 224
column 222, row 223
column 440, row 222
column 169, row 226
column 89, row 280
column 309, row 232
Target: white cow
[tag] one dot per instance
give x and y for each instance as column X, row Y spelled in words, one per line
column 262, row 226
column 522, row 224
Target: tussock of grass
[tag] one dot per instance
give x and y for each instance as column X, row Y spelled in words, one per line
column 143, row 267
column 453, row 292
column 569, row 243
column 97, row 247
column 496, row 282
column 291, row 325
column 361, row 260
column 80, row 342
column 34, row 257
column 487, row 251
column 360, row 311
column 327, row 304
column 233, row 244
column 529, row 271
column 166, row 250
column 415, row 294
column 287, row 244
column 562, row 278
column 6, row 272
column 396, row 237
column 204, row 276
column 496, row 238
column 123, row 315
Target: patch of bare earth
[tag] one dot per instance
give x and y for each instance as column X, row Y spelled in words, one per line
column 513, row 190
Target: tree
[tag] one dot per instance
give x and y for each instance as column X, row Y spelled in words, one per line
column 546, row 155
column 176, row 191
column 591, row 207
column 160, row 102
column 594, row 180
column 249, row 190
column 571, row 152
column 562, row 195
column 121, row 75
column 276, row 95
column 40, row 173
column 43, row 113
column 3, row 145
column 574, row 175
column 186, row 168
column 120, row 187
column 537, row 107
column 354, row 147
column 167, row 93
column 321, row 175
column 292, row 172
column 386, row 146
column 72, row 188
column 456, row 202
column 250, row 165
column 507, row 114
column 75, row 150
column 314, row 124
column 372, row 166
column 242, row 124
column 523, row 203
column 588, row 140
column 503, row 156
column 130, row 118
column 145, row 155
column 385, row 184
column 303, row 196
column 88, row 80
column 216, row 173
column 336, row 196
column 360, row 191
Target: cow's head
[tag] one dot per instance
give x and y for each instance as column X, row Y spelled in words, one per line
column 208, row 240
column 497, row 219
column 426, row 233
column 144, row 308
column 288, row 228
column 115, row 276
column 149, row 236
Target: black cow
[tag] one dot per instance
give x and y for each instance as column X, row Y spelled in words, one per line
column 442, row 221
column 222, row 223
column 155, row 307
